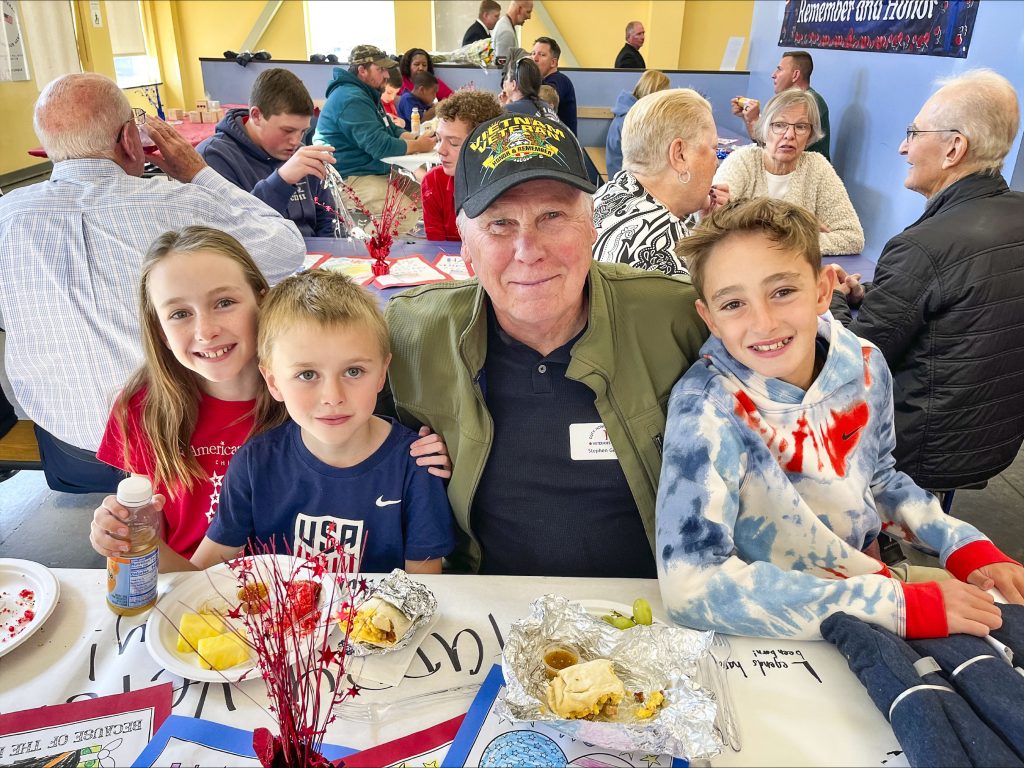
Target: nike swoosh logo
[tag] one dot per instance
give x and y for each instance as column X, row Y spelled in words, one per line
column 848, row 435
column 382, row 503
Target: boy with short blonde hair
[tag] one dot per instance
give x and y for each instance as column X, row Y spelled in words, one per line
column 777, row 470
column 334, row 473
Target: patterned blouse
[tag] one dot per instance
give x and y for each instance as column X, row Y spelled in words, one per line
column 633, row 228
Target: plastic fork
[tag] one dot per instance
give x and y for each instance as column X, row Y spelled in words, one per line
column 376, row 711
column 721, row 650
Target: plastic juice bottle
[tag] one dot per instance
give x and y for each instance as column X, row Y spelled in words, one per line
column 132, row 576
column 414, row 126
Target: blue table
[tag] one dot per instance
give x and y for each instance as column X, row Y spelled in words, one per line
column 858, row 263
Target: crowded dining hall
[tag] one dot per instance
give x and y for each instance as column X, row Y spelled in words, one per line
column 270, row 273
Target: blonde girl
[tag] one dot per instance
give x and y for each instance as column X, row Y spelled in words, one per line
column 199, row 394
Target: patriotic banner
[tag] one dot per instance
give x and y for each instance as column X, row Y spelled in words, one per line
column 923, row 27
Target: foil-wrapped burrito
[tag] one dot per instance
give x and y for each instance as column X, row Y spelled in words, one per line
column 648, row 660
column 408, row 605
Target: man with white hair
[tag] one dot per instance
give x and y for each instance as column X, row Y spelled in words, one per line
column 947, row 304
column 70, row 249
column 548, row 375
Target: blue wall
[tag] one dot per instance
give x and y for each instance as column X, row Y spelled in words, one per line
column 872, row 97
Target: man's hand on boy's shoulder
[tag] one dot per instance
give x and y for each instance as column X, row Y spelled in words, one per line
column 431, row 452
column 1008, row 578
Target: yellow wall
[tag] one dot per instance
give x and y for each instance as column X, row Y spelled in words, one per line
column 709, row 25
column 16, row 134
column 594, row 31
column 207, row 28
column 414, row 24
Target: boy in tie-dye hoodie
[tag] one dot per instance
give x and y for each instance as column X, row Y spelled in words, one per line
column 777, row 470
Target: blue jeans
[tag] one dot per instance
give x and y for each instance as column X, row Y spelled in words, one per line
column 74, row 470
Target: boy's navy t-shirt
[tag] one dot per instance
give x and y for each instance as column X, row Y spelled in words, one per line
column 407, row 102
column 276, row 489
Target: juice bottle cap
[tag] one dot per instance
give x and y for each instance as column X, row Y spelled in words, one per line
column 134, row 490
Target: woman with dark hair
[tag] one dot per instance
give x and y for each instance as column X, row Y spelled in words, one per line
column 417, row 60
column 520, row 87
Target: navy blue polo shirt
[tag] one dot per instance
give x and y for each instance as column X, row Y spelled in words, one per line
column 538, row 511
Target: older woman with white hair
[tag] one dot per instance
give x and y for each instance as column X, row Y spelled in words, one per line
column 669, row 143
column 783, row 170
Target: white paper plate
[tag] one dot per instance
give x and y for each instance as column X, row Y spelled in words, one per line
column 16, row 575
column 599, row 608
column 189, row 594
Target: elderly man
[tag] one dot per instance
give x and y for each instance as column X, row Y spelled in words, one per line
column 629, row 57
column 356, row 125
column 793, row 71
column 947, row 304
column 504, row 33
column 486, row 18
column 70, row 250
column 546, row 53
column 548, row 375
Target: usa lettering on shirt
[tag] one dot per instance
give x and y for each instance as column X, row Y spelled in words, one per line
column 314, row 534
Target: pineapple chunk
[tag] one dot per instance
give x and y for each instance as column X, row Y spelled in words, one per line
column 223, row 651
column 194, row 627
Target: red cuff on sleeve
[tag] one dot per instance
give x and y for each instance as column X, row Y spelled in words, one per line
column 926, row 610
column 974, row 555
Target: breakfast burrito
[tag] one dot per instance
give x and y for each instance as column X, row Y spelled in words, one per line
column 379, row 622
column 584, row 690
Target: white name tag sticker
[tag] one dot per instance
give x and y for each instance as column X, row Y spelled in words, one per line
column 590, row 442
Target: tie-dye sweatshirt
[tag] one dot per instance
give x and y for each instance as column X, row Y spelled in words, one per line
column 769, row 493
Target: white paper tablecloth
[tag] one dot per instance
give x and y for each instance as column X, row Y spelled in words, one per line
column 786, row 716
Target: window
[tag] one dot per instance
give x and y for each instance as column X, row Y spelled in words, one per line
column 132, row 63
column 338, row 26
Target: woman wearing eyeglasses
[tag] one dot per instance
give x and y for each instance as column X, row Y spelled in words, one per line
column 783, row 170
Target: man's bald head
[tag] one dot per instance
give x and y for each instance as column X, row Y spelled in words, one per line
column 982, row 105
column 80, row 115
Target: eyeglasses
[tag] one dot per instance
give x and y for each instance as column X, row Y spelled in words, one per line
column 780, row 128
column 912, row 131
column 138, row 117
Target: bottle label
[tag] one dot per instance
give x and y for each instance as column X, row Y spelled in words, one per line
column 132, row 581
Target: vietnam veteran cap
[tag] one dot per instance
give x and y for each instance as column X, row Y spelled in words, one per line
column 370, row 54
column 511, row 149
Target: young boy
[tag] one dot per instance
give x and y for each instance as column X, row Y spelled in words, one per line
column 335, row 471
column 550, row 95
column 387, row 99
column 777, row 469
column 261, row 149
column 422, row 95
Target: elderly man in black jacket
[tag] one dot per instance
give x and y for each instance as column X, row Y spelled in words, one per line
column 947, row 304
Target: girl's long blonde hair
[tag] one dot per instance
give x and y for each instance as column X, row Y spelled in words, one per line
column 171, row 405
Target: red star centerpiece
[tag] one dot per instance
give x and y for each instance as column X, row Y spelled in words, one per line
column 400, row 200
column 288, row 632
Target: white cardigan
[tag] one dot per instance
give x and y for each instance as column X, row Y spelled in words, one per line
column 813, row 184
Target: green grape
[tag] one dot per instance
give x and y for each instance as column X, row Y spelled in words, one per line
column 608, row 619
column 621, row 622
column 642, row 613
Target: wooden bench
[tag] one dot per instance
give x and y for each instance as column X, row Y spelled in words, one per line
column 19, row 449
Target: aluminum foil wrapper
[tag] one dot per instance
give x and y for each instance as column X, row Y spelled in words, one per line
column 646, row 658
column 411, row 598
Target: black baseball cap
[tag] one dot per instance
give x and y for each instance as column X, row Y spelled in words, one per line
column 511, row 149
